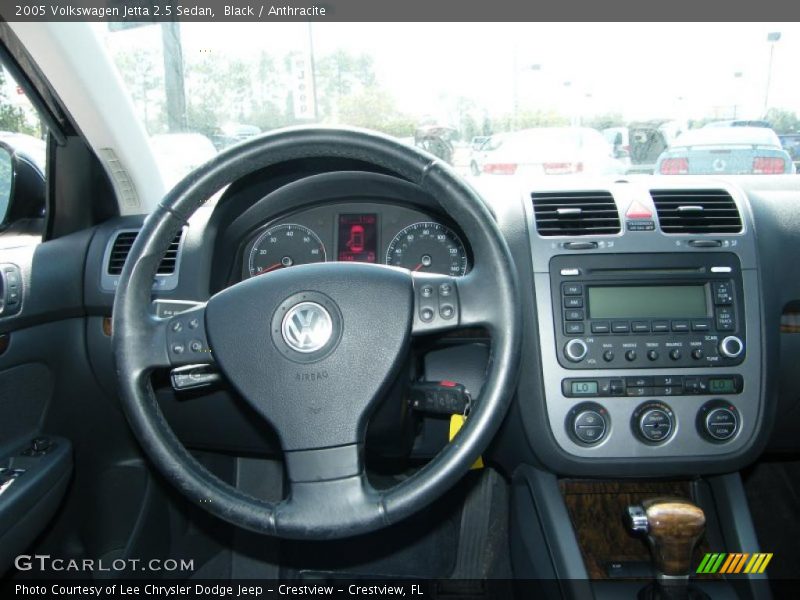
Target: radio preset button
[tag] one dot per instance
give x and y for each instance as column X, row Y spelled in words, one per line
column 660, row 326
column 572, row 289
column 701, row 326
column 573, row 315
column 575, row 350
column 680, row 326
column 640, row 327
column 620, row 327
column 600, row 327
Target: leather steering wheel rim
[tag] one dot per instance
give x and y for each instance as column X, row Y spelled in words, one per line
column 329, row 497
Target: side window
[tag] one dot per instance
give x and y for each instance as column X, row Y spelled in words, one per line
column 23, row 167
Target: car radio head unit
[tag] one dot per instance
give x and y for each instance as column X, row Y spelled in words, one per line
column 662, row 311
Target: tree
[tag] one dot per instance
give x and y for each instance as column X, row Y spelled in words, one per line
column 338, row 76
column 783, row 121
column 604, row 121
column 145, row 82
column 13, row 118
column 374, row 108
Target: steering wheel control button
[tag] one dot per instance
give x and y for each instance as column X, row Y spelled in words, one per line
column 575, row 350
column 436, row 302
column 718, row 421
column 307, row 326
column 587, row 423
column 187, row 345
column 731, row 347
column 653, row 422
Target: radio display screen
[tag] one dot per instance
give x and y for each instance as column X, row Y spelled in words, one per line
column 648, row 302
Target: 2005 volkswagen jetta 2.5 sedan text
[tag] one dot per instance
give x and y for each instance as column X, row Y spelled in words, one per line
column 355, row 309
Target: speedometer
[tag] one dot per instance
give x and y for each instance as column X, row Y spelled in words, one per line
column 284, row 246
column 430, row 248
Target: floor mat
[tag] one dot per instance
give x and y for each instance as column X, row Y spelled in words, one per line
column 773, row 493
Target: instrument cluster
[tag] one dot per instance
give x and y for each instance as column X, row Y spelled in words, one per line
column 356, row 232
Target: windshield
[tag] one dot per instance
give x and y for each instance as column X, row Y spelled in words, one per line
column 634, row 89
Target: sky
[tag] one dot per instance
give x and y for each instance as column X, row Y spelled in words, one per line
column 667, row 70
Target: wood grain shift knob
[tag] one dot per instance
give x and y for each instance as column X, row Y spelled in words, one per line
column 673, row 526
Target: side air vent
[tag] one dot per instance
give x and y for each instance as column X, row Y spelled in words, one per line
column 122, row 247
column 575, row 213
column 696, row 211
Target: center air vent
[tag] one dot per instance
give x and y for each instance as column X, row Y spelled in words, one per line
column 122, row 247
column 575, row 213
column 696, row 211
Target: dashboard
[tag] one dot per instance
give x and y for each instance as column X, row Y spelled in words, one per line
column 647, row 350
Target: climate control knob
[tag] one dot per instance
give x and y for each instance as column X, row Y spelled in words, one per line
column 575, row 350
column 731, row 347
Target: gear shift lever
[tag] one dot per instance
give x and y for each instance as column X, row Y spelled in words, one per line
column 672, row 527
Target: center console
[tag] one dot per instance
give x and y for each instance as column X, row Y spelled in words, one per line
column 649, row 320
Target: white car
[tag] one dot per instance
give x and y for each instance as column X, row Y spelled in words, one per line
column 549, row 151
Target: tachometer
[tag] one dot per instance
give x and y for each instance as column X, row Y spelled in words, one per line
column 284, row 246
column 428, row 247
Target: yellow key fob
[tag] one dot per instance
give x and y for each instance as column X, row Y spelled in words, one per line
column 456, row 423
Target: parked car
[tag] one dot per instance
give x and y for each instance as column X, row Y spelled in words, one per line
column 550, row 151
column 478, row 141
column 620, row 140
column 791, row 143
column 726, row 150
column 648, row 139
column 738, row 123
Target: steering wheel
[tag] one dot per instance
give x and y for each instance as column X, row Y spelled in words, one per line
column 313, row 347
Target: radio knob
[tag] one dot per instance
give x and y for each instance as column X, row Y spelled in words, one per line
column 731, row 347
column 576, row 350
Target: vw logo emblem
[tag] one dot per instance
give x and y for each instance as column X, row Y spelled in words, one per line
column 719, row 165
column 307, row 327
